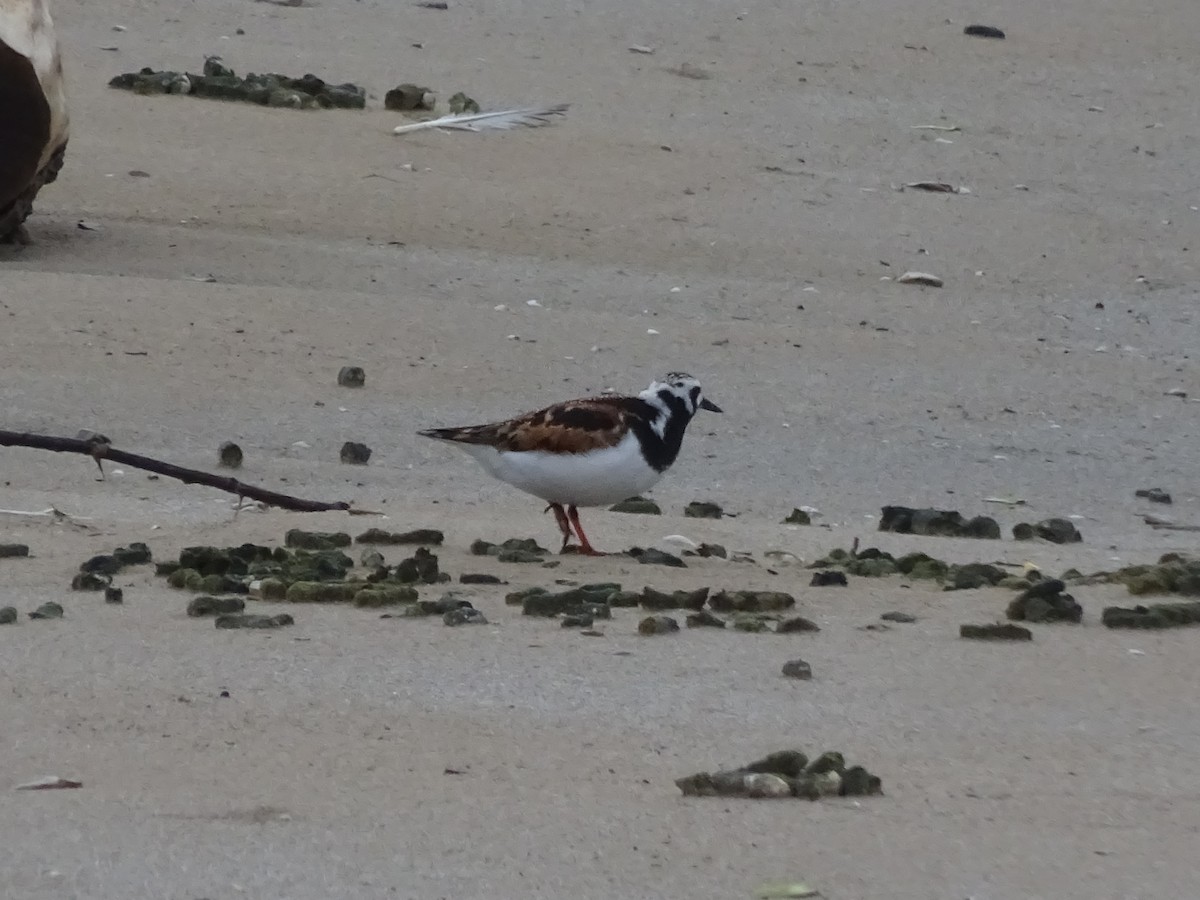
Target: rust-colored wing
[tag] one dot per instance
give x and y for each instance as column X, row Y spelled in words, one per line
column 577, row 426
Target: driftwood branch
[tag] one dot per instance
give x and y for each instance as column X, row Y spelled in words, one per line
column 99, row 449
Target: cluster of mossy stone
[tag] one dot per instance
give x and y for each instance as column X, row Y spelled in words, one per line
column 754, row 611
column 787, row 773
column 310, row 568
column 219, row 82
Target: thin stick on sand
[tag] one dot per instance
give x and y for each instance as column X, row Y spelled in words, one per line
column 99, row 450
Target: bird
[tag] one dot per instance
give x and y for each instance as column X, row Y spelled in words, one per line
column 591, row 451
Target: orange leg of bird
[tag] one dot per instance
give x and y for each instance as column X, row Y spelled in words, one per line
column 564, row 526
column 585, row 546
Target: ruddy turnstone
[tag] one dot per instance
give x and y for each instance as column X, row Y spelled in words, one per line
column 587, row 452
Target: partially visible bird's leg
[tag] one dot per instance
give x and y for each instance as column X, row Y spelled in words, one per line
column 585, row 546
column 563, row 525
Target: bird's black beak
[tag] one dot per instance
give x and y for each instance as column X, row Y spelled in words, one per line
column 710, row 406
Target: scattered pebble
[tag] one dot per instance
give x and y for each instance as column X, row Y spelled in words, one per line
column 1055, row 530
column 354, row 453
column 703, row 509
column 797, row 624
column 12, row 551
column 654, row 557
column 1158, row 615
column 249, row 620
column 937, row 522
column 219, row 82
column 704, row 619
column 229, row 455
column 638, row 506
column 479, row 578
column 49, row 610
column 578, row 620
column 827, row 775
column 797, row 668
column 114, row 595
column 8, row 615
column 999, row 631
column 751, row 601
column 798, row 517
column 828, row 579
column 657, row 625
column 316, row 540
column 900, row 617
column 1154, row 495
column 407, row 97
column 984, row 31
column 199, row 607
column 351, row 376
column 1044, row 601
column 416, row 536
column 464, row 615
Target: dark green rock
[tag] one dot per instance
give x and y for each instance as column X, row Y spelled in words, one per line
column 797, row 624
column 1001, row 631
column 577, row 620
column 114, row 595
column 214, row 606
column 921, row 566
column 798, row 517
column 427, row 536
column 351, row 376
column 49, row 610
column 877, row 567
column 516, row 555
column 798, row 669
column 830, row 761
column 354, row 453
column 316, row 540
column 385, row 595
column 407, row 97
column 654, row 599
column 527, row 545
column 654, row 557
column 828, row 578
column 1058, row 531
column 461, row 104
column 858, row 782
column 1159, row 615
column 652, row 625
column 90, row 581
column 421, row 567
column 8, row 615
column 703, row 509
column 1045, row 602
column 974, row 575
column 136, row 554
column 788, row 763
column 708, row 551
column 248, row 620
column 1023, row 531
column 751, row 601
column 105, row 564
column 464, row 615
column 479, row 578
column 624, row 599
column 704, row 619
column 638, row 506
column 901, row 617
column 751, row 623
column 322, row 591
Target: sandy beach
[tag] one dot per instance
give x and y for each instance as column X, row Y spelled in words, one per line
column 726, row 205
